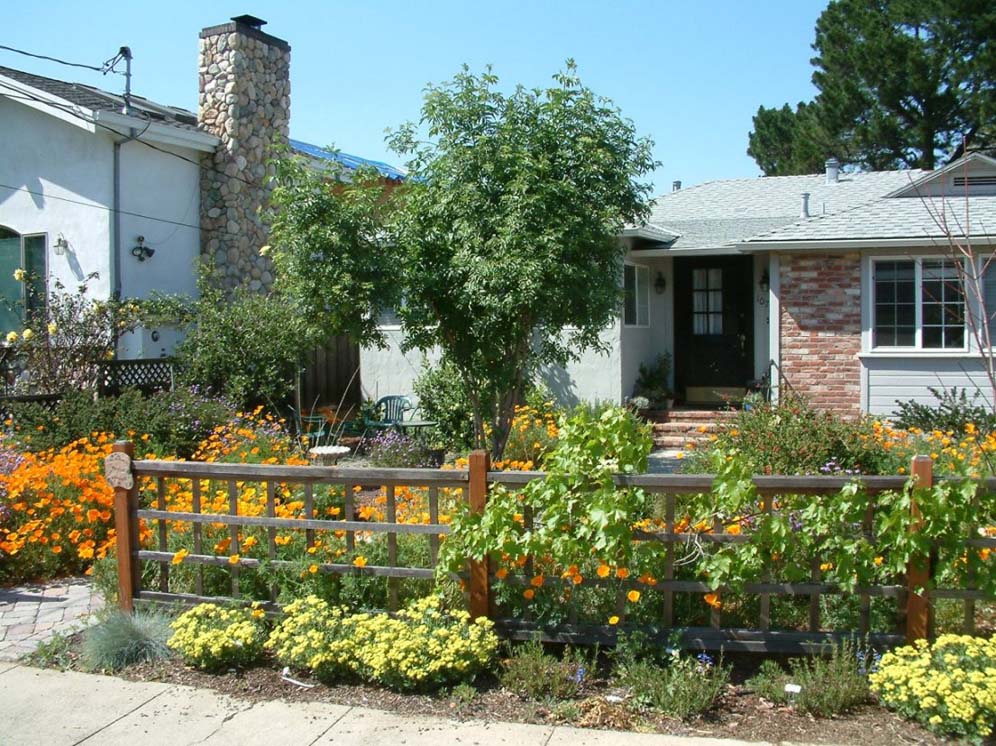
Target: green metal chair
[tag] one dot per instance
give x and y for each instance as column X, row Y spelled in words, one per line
column 314, row 427
column 391, row 412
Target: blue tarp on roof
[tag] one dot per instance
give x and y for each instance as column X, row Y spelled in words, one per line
column 347, row 160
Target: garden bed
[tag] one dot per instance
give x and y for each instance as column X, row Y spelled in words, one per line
column 739, row 714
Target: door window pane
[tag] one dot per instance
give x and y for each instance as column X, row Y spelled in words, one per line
column 707, row 301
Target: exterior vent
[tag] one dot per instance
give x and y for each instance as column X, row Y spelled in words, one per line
column 675, row 185
column 804, row 213
column 971, row 181
column 250, row 21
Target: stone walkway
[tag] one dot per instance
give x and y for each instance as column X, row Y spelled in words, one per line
column 30, row 615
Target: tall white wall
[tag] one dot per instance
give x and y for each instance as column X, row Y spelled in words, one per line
column 165, row 188
column 62, row 165
column 645, row 344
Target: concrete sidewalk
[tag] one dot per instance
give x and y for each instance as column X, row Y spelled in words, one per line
column 66, row 708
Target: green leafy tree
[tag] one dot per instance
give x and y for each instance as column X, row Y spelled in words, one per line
column 503, row 243
column 900, row 83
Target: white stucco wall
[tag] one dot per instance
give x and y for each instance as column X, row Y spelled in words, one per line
column 595, row 376
column 68, row 171
column 644, row 344
column 58, row 161
column 166, row 189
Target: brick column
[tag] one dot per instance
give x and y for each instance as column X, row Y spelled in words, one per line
column 821, row 329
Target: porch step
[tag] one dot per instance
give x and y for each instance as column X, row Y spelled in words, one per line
column 684, row 426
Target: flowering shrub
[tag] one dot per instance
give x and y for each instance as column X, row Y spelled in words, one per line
column 533, row 434
column 215, row 638
column 314, row 636
column 422, row 647
column 57, row 515
column 947, row 686
column 393, row 450
column 582, row 523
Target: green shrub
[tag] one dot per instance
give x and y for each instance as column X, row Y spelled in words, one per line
column 531, row 672
column 683, row 688
column 828, row 685
column 443, row 399
column 791, row 437
column 174, row 421
column 122, row 639
column 946, row 686
column 953, row 410
column 245, row 345
column 216, row 638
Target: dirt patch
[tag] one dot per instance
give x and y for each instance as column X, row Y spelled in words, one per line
column 740, row 714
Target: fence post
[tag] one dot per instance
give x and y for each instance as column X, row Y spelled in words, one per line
column 477, row 492
column 120, row 477
column 918, row 611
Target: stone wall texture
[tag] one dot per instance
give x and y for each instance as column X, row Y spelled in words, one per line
column 245, row 101
column 821, row 329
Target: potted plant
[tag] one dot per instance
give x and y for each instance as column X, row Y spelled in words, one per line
column 654, row 384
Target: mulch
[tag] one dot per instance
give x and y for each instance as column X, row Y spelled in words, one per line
column 740, row 713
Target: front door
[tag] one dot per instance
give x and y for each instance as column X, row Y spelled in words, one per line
column 714, row 327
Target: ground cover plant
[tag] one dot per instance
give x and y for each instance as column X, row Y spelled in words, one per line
column 215, row 638
column 828, row 685
column 946, row 685
column 121, row 639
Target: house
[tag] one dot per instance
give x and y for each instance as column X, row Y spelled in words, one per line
column 138, row 192
column 838, row 287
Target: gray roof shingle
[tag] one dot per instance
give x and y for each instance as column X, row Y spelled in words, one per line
column 95, row 99
column 895, row 218
column 722, row 213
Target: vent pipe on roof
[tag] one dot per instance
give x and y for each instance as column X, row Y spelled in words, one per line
column 805, row 205
column 833, row 170
column 675, row 185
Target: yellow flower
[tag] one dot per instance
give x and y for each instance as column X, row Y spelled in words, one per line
column 713, row 600
column 27, row 334
column 360, row 561
column 11, row 337
column 603, row 571
column 826, row 566
column 20, row 275
column 52, row 328
column 312, row 569
column 179, row 556
column 234, row 559
column 633, row 596
column 613, row 619
column 878, row 561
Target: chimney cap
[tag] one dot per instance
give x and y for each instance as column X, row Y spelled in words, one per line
column 676, row 185
column 250, row 21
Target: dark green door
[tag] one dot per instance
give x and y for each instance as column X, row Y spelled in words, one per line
column 714, row 324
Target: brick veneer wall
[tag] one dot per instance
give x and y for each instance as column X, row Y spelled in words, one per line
column 821, row 329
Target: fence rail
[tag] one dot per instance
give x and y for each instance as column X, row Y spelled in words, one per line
column 913, row 604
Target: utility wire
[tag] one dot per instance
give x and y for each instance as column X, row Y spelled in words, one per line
column 103, row 69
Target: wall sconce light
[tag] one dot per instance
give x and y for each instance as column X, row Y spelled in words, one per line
column 660, row 284
column 141, row 251
column 765, row 282
column 61, row 244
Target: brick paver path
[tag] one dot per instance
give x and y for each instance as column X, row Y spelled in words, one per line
column 32, row 614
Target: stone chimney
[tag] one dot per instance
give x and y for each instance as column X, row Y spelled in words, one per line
column 245, row 101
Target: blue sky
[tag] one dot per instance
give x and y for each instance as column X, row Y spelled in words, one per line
column 690, row 74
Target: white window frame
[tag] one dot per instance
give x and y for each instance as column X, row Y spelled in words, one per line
column 637, row 268
column 917, row 347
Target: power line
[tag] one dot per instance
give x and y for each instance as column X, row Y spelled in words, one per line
column 108, row 209
column 107, row 67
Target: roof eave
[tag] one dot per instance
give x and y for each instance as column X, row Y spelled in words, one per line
column 158, row 132
column 751, row 247
column 48, row 104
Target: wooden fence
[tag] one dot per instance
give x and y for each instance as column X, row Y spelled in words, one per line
column 913, row 609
